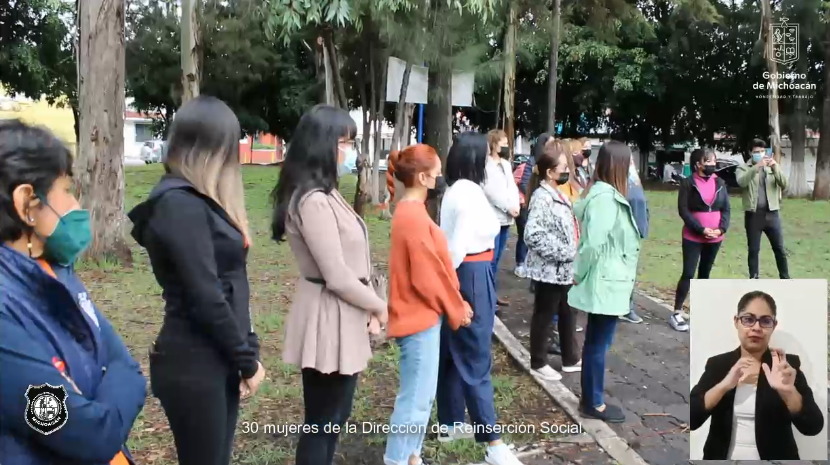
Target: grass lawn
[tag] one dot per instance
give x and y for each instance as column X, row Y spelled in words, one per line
column 131, row 298
column 806, row 237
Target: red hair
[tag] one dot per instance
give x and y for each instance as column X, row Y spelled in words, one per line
column 411, row 161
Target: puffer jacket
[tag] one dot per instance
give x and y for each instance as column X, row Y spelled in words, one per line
column 551, row 235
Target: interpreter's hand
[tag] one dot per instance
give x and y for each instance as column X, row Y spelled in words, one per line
column 514, row 212
column 254, row 382
column 374, row 326
column 738, row 373
column 781, row 376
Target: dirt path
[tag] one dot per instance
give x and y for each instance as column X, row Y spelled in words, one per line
column 647, row 372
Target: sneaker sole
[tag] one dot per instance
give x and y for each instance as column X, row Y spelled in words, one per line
column 606, row 420
column 630, row 320
column 547, row 378
column 576, row 369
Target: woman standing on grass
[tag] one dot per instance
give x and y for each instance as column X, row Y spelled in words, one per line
column 334, row 308
column 703, row 205
column 471, row 226
column 552, row 235
column 606, row 267
column 502, row 193
column 54, row 344
column 423, row 291
column 195, row 229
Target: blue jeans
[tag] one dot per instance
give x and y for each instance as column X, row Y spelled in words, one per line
column 501, row 243
column 599, row 333
column 420, row 354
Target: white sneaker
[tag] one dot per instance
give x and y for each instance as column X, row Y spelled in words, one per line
column 572, row 369
column 459, row 431
column 677, row 322
column 548, row 373
column 520, row 271
column 501, row 455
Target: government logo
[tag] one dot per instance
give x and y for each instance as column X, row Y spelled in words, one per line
column 46, row 408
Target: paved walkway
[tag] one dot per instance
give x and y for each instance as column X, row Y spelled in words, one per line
column 647, row 372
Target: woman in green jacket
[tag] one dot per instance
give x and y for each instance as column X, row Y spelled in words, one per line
column 606, row 267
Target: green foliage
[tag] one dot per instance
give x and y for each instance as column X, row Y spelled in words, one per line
column 36, row 51
column 267, row 84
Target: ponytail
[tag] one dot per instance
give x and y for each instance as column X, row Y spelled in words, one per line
column 532, row 184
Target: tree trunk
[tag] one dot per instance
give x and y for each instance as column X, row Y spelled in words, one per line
column 772, row 67
column 334, row 65
column 331, row 98
column 378, row 100
column 798, row 171
column 99, row 171
column 191, row 50
column 406, row 131
column 321, row 67
column 400, row 110
column 439, row 119
column 498, row 102
column 510, row 74
column 360, row 191
column 821, row 187
column 553, row 71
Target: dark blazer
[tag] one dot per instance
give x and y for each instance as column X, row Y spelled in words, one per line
column 773, row 422
column 689, row 201
column 200, row 260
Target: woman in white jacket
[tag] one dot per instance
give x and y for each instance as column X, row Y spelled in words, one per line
column 551, row 235
column 502, row 193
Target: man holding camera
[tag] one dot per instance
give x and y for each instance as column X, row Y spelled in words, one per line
column 763, row 183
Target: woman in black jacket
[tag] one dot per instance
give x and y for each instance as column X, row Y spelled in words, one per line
column 754, row 394
column 195, row 230
column 703, row 204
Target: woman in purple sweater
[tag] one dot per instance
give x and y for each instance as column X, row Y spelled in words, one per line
column 703, row 204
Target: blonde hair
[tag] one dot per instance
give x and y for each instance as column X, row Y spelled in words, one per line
column 493, row 138
column 204, row 150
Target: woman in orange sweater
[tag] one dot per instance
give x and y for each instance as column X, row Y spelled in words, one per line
column 423, row 289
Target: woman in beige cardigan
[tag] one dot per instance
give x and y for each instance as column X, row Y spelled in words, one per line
column 334, row 307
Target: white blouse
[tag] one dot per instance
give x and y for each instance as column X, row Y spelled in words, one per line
column 468, row 220
column 743, row 445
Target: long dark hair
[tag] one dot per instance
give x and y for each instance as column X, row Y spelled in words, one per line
column 204, row 149
column 612, row 165
column 467, row 158
column 311, row 161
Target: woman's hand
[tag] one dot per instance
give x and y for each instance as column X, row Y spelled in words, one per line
column 382, row 317
column 468, row 315
column 738, row 373
column 374, row 326
column 252, row 384
column 781, row 376
column 708, row 232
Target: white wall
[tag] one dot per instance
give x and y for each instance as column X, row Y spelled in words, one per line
column 802, row 331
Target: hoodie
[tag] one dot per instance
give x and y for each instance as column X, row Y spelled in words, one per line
column 200, row 260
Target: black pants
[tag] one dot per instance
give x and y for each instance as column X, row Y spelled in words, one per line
column 550, row 300
column 200, row 396
column 328, row 400
column 695, row 255
column 768, row 223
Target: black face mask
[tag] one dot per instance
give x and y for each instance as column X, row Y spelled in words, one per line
column 586, row 154
column 504, row 152
column 708, row 170
column 440, row 187
column 563, row 178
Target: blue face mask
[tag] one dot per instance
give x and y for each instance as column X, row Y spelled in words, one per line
column 757, row 157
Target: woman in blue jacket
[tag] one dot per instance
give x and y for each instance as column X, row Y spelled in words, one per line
column 69, row 391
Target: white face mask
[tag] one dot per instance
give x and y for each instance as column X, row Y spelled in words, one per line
column 348, row 155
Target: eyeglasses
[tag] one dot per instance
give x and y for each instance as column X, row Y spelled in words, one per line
column 349, row 144
column 749, row 320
